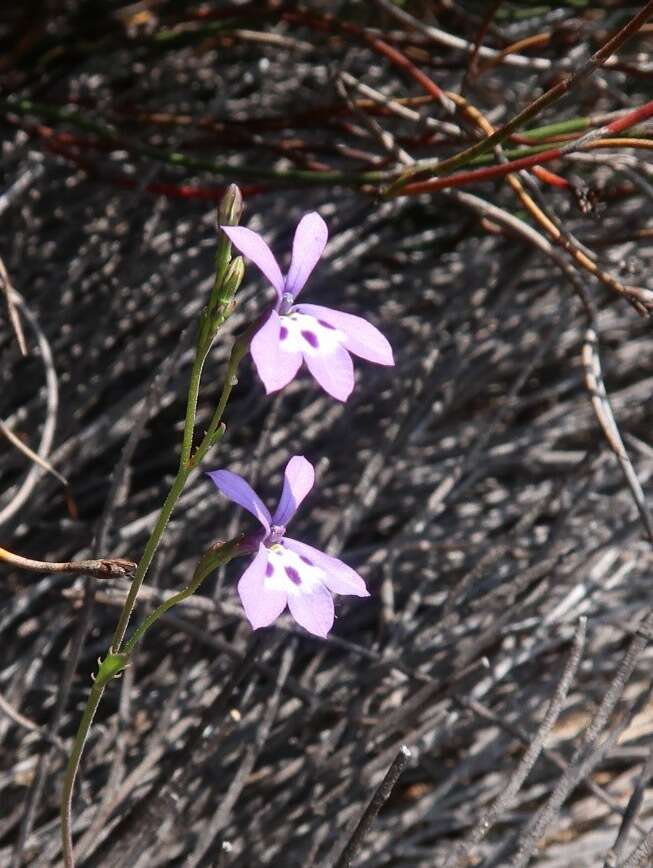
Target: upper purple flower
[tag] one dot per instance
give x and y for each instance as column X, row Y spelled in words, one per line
column 286, row 571
column 322, row 337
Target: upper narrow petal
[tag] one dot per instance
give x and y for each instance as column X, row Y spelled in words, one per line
column 361, row 337
column 275, row 366
column 253, row 247
column 334, row 371
column 241, row 492
column 262, row 605
column 313, row 610
column 338, row 577
column 298, row 480
column 309, row 243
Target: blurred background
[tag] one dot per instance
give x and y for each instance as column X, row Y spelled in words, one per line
column 473, row 485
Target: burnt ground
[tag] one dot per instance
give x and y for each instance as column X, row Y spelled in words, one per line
column 475, row 485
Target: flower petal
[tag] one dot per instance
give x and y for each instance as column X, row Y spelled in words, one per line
column 313, row 610
column 310, row 240
column 362, row 338
column 241, row 492
column 262, row 605
column 299, row 478
column 275, row 366
column 338, row 577
column 334, row 371
column 253, row 247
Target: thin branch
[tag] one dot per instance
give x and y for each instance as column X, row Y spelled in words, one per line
column 642, row 855
column 103, row 568
column 29, row 453
column 379, row 798
column 25, row 489
column 461, row 853
column 629, row 818
column 12, row 312
column 26, row 723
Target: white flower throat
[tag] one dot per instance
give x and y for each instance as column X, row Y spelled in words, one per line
column 289, row 572
column 306, row 334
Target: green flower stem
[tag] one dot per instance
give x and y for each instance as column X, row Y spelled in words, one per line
column 186, row 464
column 108, row 669
column 213, row 434
column 193, row 394
column 216, row 427
column 213, row 559
column 112, row 666
column 148, row 554
column 225, row 284
column 71, row 772
column 212, row 318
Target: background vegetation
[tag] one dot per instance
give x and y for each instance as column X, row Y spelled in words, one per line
column 491, row 487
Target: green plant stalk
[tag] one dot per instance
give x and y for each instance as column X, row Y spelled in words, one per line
column 210, row 321
column 578, row 124
column 212, row 318
column 185, row 467
column 216, row 428
column 204, row 569
column 572, row 125
column 72, row 767
column 108, row 669
column 112, row 665
column 148, row 554
column 213, row 434
column 201, row 353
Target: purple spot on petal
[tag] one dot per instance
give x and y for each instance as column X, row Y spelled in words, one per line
column 283, row 333
column 293, row 575
column 269, row 569
column 306, row 560
column 326, row 325
column 310, row 338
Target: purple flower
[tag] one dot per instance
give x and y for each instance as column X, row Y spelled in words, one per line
column 286, row 572
column 322, row 337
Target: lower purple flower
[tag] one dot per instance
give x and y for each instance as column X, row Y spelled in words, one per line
column 286, row 572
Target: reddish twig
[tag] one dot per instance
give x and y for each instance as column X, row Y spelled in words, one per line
column 60, row 144
column 534, row 108
column 489, row 172
column 472, row 64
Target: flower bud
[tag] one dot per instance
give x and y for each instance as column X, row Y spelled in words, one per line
column 230, row 209
column 234, row 277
